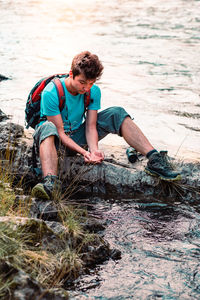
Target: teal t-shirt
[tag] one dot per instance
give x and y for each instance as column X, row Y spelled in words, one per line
column 73, row 112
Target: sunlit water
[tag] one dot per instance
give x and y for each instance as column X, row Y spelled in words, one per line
column 150, row 51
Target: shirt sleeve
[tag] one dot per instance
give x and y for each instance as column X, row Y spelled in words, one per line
column 49, row 101
column 95, row 95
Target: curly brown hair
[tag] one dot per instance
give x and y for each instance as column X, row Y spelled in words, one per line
column 87, row 64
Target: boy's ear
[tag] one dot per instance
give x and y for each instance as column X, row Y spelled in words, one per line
column 70, row 74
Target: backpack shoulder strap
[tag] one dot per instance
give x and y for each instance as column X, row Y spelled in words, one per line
column 87, row 99
column 86, row 102
column 60, row 91
column 36, row 91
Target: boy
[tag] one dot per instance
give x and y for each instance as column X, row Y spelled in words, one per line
column 69, row 127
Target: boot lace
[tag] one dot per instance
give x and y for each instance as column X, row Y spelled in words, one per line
column 164, row 160
column 51, row 182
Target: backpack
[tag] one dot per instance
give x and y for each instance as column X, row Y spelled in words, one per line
column 32, row 110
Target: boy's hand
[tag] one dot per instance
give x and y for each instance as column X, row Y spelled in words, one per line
column 96, row 157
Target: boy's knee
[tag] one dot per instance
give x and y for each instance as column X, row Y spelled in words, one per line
column 48, row 140
column 111, row 119
column 117, row 110
column 46, row 132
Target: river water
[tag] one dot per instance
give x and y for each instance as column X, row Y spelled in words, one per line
column 160, row 246
column 149, row 48
column 150, row 51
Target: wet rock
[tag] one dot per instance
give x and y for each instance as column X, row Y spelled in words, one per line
column 96, row 255
column 96, row 251
column 2, row 77
column 20, row 286
column 115, row 254
column 93, row 225
column 3, row 116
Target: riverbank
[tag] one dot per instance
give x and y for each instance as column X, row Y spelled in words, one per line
column 42, row 254
column 44, row 246
column 48, row 238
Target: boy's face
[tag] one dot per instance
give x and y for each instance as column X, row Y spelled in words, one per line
column 80, row 84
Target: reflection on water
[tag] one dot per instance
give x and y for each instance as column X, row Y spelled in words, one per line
column 150, row 50
column 160, row 252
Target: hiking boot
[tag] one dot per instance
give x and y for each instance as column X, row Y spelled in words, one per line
column 159, row 165
column 45, row 190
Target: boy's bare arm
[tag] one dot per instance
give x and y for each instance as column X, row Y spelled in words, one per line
column 92, row 136
column 66, row 140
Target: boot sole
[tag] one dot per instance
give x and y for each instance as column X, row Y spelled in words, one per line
column 153, row 173
column 39, row 192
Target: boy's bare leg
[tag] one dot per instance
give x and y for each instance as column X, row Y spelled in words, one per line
column 48, row 157
column 157, row 164
column 49, row 162
column 135, row 137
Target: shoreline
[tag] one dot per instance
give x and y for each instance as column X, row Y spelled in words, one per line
column 119, row 150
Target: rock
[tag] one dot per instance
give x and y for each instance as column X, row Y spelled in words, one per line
column 31, row 239
column 11, row 132
column 114, row 181
column 10, row 135
column 93, row 225
column 2, row 77
column 58, row 228
column 96, row 254
column 115, row 254
column 20, row 286
column 3, row 116
column 54, row 237
column 40, row 232
column 45, row 210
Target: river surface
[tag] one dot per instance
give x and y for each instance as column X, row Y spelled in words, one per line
column 150, row 51
column 149, row 48
column 160, row 245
